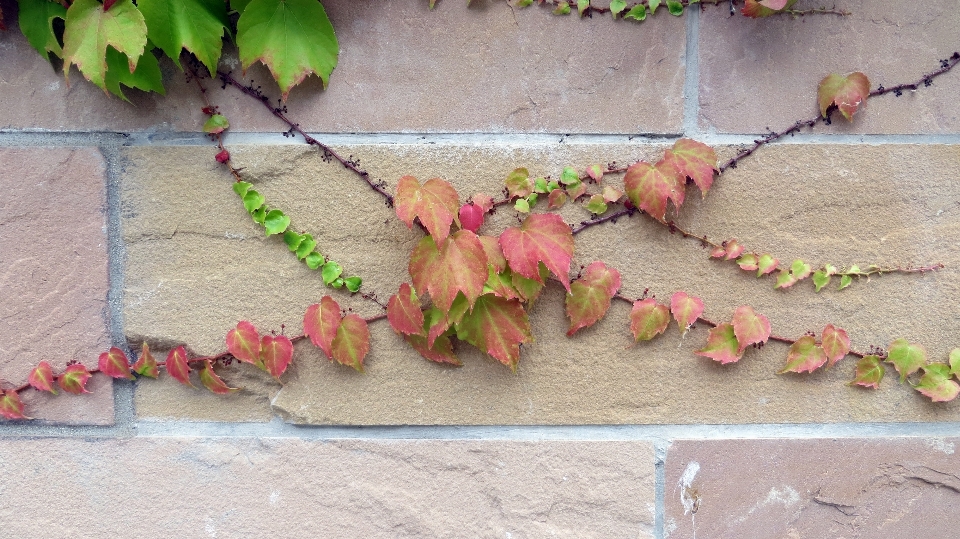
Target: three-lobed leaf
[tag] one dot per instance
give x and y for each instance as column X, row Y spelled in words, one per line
column 404, row 313
column 496, row 326
column 435, row 203
column 847, row 92
column 459, row 265
column 542, row 238
column 195, row 25
column 36, row 22
column 694, row 160
column 89, row 30
column 590, row 295
column 649, row 187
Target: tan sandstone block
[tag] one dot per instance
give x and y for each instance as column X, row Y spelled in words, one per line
column 196, row 265
column 865, row 488
column 403, row 68
column 760, row 74
column 285, row 487
column 53, row 275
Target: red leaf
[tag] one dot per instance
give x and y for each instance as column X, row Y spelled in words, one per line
column 74, row 379
column 906, row 358
column 214, row 383
column 836, row 343
column 115, row 364
column 276, row 354
column 648, row 319
column 496, row 326
column 435, row 203
column 223, row 156
column 244, row 343
column 107, row 4
column 471, row 217
column 146, row 365
column 459, row 265
column 556, row 199
column 10, row 405
column 650, row 186
column 589, row 297
column 484, row 202
column 686, row 310
column 694, row 160
column 541, row 238
column 576, row 191
column 847, row 92
column 352, row 342
column 491, row 248
column 804, row 356
column 178, row 367
column 441, row 352
column 403, row 312
column 321, row 322
column 750, row 327
column 721, row 345
column 41, row 377
column 869, row 372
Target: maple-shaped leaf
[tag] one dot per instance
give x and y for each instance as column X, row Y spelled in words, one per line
column 496, row 326
column 36, row 23
column 590, row 295
column 74, row 379
column 437, row 322
column 471, row 217
column 722, row 345
column 41, row 378
column 321, row 322
column 936, row 383
column 178, row 367
column 847, row 92
column 293, row 38
column 146, row 76
column 836, row 343
column 435, row 203
column 491, row 248
column 805, row 355
column 11, row 407
column 244, row 343
column 459, row 265
column 694, row 160
column 146, row 365
column 500, row 284
column 404, row 313
column 530, row 289
column 649, row 187
column 90, row 29
column 541, row 238
column 114, row 363
column 518, row 183
column 276, row 354
column 756, row 8
column 906, row 358
column 648, row 319
column 440, row 352
column 195, row 25
column 352, row 342
column 869, row 372
column 686, row 309
column 750, row 327
column 213, row 382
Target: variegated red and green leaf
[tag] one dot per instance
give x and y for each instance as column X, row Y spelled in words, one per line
column 114, row 363
column 906, row 358
column 686, row 309
column 749, row 327
column 648, row 319
column 404, row 313
column 936, row 383
column 435, row 203
column 694, row 160
column 529, row 289
column 496, row 326
column 500, row 284
column 178, row 367
column 805, row 355
column 244, row 343
column 146, row 365
column 459, row 265
column 491, row 248
column 847, row 92
column 869, row 372
column 722, row 345
column 352, row 342
column 41, row 378
column 541, row 238
column 11, row 407
column 649, row 187
column 321, row 322
column 213, row 382
column 74, row 379
column 836, row 343
column 276, row 354
column 440, row 352
column 590, row 295
column 518, row 183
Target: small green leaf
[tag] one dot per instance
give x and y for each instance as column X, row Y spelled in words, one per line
column 292, row 239
column 522, row 206
column 845, row 281
column 306, row 247
column 654, row 4
column 616, row 6
column 241, row 188
column 955, row 362
column 820, row 279
column 569, row 176
column 253, row 200
column 259, row 215
column 596, row 205
column 524, row 3
column 563, row 8
column 800, row 269
column 353, row 283
column 313, row 260
column 518, row 183
column 766, row 264
column 275, row 222
column 337, row 283
column 540, row 186
column 582, row 5
column 532, row 199
column 637, row 13
column 595, row 173
column 906, row 357
column 675, row 8
column 330, row 272
column 216, row 124
column 869, row 372
column 552, row 186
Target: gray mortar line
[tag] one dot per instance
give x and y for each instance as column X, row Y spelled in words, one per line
column 660, row 479
column 691, row 81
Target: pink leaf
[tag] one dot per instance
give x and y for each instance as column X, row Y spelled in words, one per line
column 146, row 365
column 276, row 354
column 178, row 367
column 115, row 364
column 10, row 405
column 685, row 309
column 404, row 313
column 590, row 295
column 352, row 342
column 750, row 327
column 648, row 319
column 721, row 345
column 74, row 379
column 321, row 322
column 836, row 343
column 471, row 217
column 41, row 377
column 244, row 343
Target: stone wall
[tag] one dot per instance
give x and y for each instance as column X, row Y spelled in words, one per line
column 117, row 226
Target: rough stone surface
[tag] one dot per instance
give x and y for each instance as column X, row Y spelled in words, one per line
column 282, row 487
column 487, row 67
column 763, row 73
column 53, row 275
column 197, row 264
column 864, row 488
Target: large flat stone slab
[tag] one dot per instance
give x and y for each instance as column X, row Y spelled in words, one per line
column 763, row 73
column 487, row 67
column 197, row 264
column 865, row 488
column 53, row 275
column 286, row 487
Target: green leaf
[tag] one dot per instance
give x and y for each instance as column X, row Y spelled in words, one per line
column 540, row 186
column 331, row 270
column 845, row 281
column 275, row 222
column 637, row 13
column 804, row 356
column 216, row 124
column 146, row 76
column 241, row 188
column 524, row 3
column 906, row 358
column 955, row 362
column 569, row 176
column 306, row 247
column 648, row 319
column 239, row 5
column 869, row 372
column 721, row 345
column 253, row 200
column 213, row 382
column 293, row 38
column 496, row 326
column 195, row 25
column 353, row 284
column 616, row 6
column 596, row 205
column 766, row 264
column 521, row 205
column 675, row 8
column 259, row 215
column 89, row 31
column 654, row 4
column 36, row 23
column 582, row 6
column 820, row 279
column 337, row 283
column 293, row 240
column 563, row 8
column 590, row 295
column 314, row 261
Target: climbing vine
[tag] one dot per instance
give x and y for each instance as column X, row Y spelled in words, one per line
column 465, row 286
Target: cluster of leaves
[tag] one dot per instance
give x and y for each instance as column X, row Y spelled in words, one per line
column 112, row 43
column 937, row 379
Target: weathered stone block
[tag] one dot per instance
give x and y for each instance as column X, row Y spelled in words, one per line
column 53, row 275
column 197, row 264
column 286, row 487
column 869, row 488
